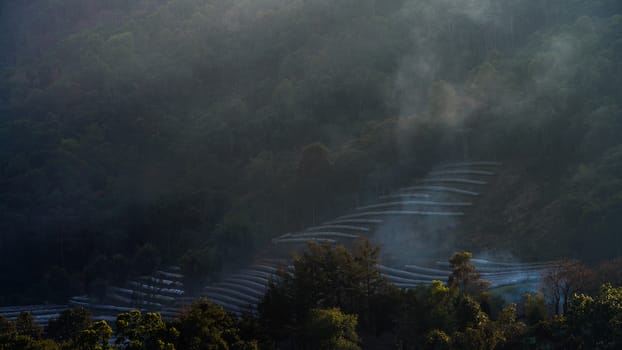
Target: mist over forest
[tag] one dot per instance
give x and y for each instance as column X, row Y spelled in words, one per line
column 141, row 134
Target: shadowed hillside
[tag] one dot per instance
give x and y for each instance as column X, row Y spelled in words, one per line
column 135, row 136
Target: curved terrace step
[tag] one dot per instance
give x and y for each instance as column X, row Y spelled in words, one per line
column 401, row 213
column 337, row 227
column 445, row 189
column 406, row 195
column 355, row 221
column 469, row 164
column 303, row 240
column 388, row 271
column 453, row 180
column 242, row 289
column 259, row 286
column 229, row 299
column 426, row 269
column 319, row 234
column 416, row 203
column 462, row 172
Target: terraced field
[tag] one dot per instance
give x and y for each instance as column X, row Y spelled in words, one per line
column 414, row 226
column 433, row 205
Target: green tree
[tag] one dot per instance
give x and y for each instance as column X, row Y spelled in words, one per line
column 464, row 276
column 596, row 322
column 21, row 342
column 507, row 329
column 68, row 325
column 6, row 326
column 376, row 300
column 206, row 325
column 423, row 310
column 95, row 337
column 327, row 276
column 135, row 331
column 535, row 308
column 437, row 340
column 331, row 329
column 25, row 325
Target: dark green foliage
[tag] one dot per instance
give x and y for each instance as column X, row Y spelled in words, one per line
column 208, row 326
column 60, row 284
column 6, row 326
column 596, row 322
column 135, row 331
column 427, row 317
column 95, row 337
column 25, row 325
column 118, row 268
column 463, row 276
column 330, row 329
column 69, row 324
column 154, row 122
column 438, row 317
column 234, row 237
column 535, row 308
column 133, row 124
column 592, row 322
column 593, row 201
column 146, row 260
column 326, row 277
column 23, row 334
column 196, row 265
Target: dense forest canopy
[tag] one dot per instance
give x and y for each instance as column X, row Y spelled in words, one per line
column 337, row 299
column 134, row 133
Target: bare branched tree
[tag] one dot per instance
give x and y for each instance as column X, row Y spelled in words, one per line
column 563, row 280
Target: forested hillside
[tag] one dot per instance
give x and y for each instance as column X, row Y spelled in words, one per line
column 135, row 133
